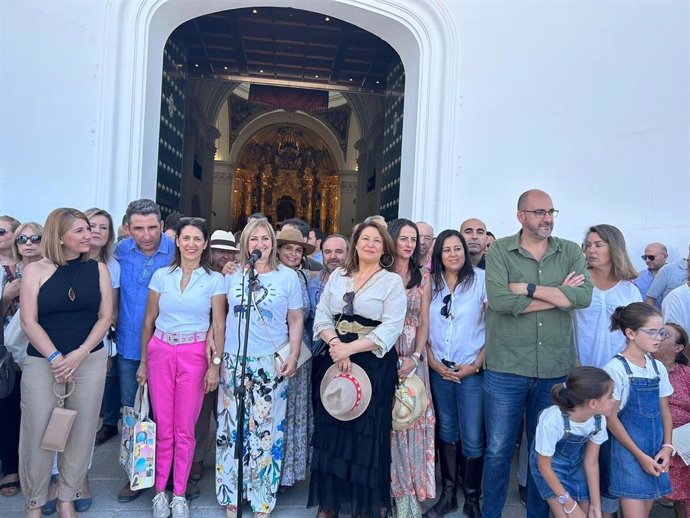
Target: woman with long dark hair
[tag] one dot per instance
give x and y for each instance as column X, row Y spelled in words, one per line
column 360, row 315
column 177, row 360
column 456, row 355
column 412, row 449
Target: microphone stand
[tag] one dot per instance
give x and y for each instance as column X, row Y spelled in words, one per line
column 241, row 393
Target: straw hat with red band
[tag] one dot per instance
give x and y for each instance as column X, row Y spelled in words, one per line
column 292, row 236
column 223, row 240
column 345, row 395
column 410, row 402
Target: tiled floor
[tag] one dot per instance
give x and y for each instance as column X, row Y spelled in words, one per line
column 107, row 478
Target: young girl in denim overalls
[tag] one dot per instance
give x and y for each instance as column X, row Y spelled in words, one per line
column 565, row 458
column 640, row 449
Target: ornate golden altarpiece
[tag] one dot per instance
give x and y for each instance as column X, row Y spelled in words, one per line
column 287, row 172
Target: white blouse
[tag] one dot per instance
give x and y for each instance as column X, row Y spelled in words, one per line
column 381, row 298
column 595, row 344
column 185, row 311
column 460, row 337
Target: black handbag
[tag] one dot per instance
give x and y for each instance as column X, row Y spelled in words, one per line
column 7, row 372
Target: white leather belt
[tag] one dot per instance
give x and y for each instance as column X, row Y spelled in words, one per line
column 179, row 338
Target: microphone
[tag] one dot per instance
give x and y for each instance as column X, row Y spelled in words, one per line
column 253, row 258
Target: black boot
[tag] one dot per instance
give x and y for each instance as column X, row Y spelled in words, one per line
column 461, row 459
column 448, row 502
column 474, row 470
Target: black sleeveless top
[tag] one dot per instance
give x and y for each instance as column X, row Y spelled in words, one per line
column 68, row 322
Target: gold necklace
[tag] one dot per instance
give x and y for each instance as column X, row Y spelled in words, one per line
column 71, row 294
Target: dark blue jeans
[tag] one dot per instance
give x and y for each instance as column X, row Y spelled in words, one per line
column 459, row 412
column 506, row 397
column 111, row 395
column 128, row 379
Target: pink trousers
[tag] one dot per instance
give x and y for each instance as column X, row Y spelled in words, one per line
column 176, row 388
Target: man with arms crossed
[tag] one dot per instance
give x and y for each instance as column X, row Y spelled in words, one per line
column 533, row 282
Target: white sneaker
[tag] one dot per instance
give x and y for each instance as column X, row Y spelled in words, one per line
column 180, row 507
column 161, row 505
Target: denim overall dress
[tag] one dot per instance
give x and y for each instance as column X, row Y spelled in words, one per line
column 641, row 418
column 567, row 463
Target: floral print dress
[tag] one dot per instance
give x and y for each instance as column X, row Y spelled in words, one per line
column 300, row 414
column 412, row 450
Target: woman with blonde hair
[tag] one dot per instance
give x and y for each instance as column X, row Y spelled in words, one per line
column 66, row 311
column 612, row 273
column 26, row 248
column 276, row 318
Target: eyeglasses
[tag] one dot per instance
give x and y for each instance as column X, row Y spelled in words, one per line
column 22, row 239
column 541, row 213
column 348, row 308
column 660, row 333
column 446, row 310
column 648, row 257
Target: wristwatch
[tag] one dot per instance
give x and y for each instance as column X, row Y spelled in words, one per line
column 419, row 356
column 216, row 360
column 563, row 499
column 531, row 288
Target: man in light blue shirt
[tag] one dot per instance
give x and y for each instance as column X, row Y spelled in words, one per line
column 669, row 277
column 141, row 254
column 655, row 256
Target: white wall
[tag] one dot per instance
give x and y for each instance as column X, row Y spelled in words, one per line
column 585, row 99
column 51, row 63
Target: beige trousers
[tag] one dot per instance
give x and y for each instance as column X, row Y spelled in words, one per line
column 37, row 403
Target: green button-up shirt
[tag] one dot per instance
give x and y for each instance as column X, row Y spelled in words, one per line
column 538, row 344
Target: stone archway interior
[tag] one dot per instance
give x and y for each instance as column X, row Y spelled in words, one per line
column 287, row 170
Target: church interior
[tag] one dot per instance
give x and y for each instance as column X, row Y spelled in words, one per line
column 281, row 111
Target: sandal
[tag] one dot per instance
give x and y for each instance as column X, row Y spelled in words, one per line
column 9, row 488
column 230, row 511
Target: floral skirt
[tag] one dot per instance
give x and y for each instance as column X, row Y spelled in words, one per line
column 299, row 427
column 264, row 425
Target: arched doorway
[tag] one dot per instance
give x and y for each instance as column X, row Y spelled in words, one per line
column 131, row 83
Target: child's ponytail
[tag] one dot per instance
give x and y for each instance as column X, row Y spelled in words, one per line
column 583, row 384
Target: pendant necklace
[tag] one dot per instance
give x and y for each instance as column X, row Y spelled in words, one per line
column 71, row 294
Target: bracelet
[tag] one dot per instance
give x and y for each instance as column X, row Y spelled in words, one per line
column 329, row 342
column 293, row 357
column 54, row 355
column 572, row 510
column 671, row 447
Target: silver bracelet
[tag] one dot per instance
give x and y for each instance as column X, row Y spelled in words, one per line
column 572, row 510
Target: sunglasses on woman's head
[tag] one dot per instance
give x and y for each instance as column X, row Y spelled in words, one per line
column 22, row 239
column 348, row 299
column 446, row 310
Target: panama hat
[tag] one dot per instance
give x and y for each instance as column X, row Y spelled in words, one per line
column 292, row 236
column 410, row 402
column 345, row 395
column 223, row 240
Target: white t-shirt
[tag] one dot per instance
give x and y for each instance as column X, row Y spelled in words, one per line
column 459, row 339
column 276, row 293
column 114, row 269
column 596, row 345
column 676, row 306
column 550, row 430
column 185, row 311
column 621, row 383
